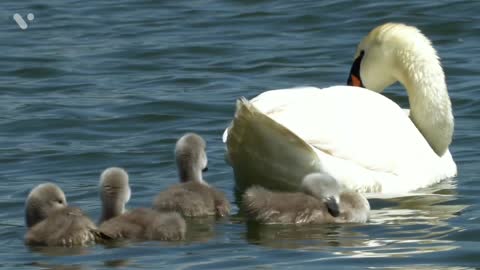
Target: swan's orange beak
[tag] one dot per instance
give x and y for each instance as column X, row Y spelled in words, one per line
column 355, row 81
column 354, row 77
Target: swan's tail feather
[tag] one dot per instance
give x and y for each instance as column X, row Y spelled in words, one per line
column 263, row 152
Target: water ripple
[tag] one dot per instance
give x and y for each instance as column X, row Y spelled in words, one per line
column 92, row 85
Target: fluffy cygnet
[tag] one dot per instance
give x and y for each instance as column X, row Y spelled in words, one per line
column 51, row 222
column 320, row 201
column 193, row 196
column 136, row 224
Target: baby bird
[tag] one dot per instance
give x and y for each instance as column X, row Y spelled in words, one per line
column 193, row 196
column 136, row 224
column 51, row 222
column 319, row 201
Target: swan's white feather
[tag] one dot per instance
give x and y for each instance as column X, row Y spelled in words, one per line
column 361, row 138
column 366, row 141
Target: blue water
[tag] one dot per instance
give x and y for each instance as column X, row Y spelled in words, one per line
column 92, row 84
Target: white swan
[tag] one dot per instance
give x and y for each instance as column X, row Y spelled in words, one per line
column 360, row 137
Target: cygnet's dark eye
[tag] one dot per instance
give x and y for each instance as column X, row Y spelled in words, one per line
column 60, row 201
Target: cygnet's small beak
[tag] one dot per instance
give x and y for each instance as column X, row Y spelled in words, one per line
column 205, row 169
column 332, row 207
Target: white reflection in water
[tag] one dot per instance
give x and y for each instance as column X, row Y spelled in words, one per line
column 398, row 227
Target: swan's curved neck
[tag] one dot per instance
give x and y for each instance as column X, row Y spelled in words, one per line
column 430, row 106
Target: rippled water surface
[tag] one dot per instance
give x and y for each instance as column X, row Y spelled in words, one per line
column 92, row 84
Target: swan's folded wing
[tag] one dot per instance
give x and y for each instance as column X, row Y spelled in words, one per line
column 273, row 100
column 352, row 124
column 263, row 152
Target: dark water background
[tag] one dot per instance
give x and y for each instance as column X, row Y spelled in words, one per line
column 92, row 84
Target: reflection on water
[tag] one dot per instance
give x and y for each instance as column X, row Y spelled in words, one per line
column 59, row 251
column 398, row 227
column 57, row 267
column 117, row 263
column 319, row 237
column 60, row 258
column 426, row 267
column 200, row 229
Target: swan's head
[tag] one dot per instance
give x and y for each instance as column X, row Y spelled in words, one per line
column 382, row 56
column 41, row 201
column 191, row 157
column 114, row 189
column 325, row 188
column 397, row 52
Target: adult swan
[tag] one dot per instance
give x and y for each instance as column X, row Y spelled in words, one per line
column 360, row 137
